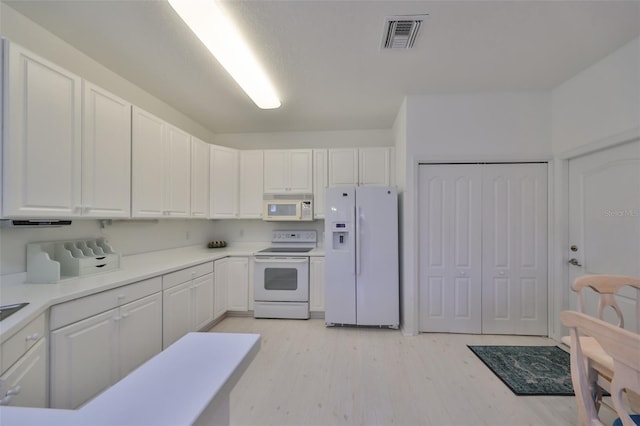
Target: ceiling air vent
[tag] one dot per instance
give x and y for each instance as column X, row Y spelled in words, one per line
column 400, row 32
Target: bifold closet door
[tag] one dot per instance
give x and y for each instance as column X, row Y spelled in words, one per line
column 514, row 249
column 450, row 232
column 482, row 248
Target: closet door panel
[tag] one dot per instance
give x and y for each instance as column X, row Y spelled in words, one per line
column 449, row 247
column 514, row 249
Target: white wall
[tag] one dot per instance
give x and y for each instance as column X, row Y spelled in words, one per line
column 599, row 103
column 491, row 126
column 407, row 296
column 321, row 139
column 510, row 126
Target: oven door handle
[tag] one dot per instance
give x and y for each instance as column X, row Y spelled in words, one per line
column 282, row 259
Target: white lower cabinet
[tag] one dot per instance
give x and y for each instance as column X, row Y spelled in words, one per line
column 220, row 290
column 238, row 284
column 23, row 378
column 232, row 285
column 187, row 301
column 24, row 384
column 316, row 284
column 90, row 355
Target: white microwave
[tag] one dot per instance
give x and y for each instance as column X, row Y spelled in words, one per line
column 289, row 207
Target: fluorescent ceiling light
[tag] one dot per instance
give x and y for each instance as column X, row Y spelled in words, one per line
column 216, row 30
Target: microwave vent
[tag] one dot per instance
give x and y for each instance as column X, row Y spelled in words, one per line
column 288, row 197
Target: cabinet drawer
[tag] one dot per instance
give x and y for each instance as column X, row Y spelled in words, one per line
column 184, row 275
column 75, row 310
column 18, row 344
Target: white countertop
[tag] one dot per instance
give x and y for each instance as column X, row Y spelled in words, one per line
column 14, row 289
column 173, row 388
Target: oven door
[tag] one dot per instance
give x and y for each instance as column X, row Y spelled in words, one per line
column 281, row 279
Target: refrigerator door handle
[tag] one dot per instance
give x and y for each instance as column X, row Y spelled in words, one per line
column 358, row 247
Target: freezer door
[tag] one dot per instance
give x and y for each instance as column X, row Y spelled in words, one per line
column 377, row 280
column 340, row 287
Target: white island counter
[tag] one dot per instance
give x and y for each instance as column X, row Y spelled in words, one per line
column 188, row 383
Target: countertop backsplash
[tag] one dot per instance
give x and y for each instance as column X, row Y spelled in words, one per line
column 132, row 237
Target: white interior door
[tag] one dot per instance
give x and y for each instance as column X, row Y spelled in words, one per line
column 450, row 232
column 604, row 217
column 514, row 249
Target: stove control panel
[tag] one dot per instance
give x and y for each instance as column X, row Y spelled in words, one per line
column 294, row 236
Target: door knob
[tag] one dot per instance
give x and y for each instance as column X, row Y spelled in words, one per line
column 574, row 262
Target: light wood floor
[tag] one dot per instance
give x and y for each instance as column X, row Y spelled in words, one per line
column 307, row 374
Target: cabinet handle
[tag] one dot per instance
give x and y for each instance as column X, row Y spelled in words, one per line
column 118, row 318
column 10, row 394
column 32, row 337
column 126, row 315
column 13, row 391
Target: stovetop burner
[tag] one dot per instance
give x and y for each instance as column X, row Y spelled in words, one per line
column 286, row 250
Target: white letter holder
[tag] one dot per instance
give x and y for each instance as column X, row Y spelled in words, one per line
column 49, row 262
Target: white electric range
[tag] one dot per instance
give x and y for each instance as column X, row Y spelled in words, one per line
column 281, row 275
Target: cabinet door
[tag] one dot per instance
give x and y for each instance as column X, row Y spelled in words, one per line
column 224, row 182
column 276, row 171
column 29, row 373
column 221, row 275
column 238, row 284
column 140, row 332
column 83, row 360
column 176, row 313
column 177, row 200
column 301, row 171
column 251, row 184
column 374, row 166
column 42, row 137
column 202, row 290
column 199, row 178
column 320, row 181
column 343, row 167
column 106, row 154
column 316, row 284
column 148, row 169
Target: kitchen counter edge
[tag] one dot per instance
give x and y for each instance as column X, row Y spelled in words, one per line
column 133, row 268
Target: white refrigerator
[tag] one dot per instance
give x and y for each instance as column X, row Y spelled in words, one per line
column 361, row 255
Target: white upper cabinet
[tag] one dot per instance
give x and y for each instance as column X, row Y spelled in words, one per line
column 106, row 154
column 224, row 182
column 147, row 189
column 361, row 166
column 251, row 184
column 199, row 178
column 41, row 137
column 178, row 172
column 161, row 158
column 288, row 170
column 343, row 167
column 375, row 166
column 320, row 181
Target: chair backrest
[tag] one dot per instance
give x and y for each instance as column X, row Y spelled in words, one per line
column 622, row 345
column 607, row 286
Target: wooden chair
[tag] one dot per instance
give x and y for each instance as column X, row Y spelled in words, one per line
column 606, row 287
column 622, row 346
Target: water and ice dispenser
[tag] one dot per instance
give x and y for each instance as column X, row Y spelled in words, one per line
column 340, row 233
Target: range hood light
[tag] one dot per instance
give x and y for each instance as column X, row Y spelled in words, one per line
column 218, row 33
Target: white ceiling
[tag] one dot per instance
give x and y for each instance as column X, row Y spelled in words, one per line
column 325, row 59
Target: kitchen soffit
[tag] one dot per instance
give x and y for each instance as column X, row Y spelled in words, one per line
column 325, row 56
